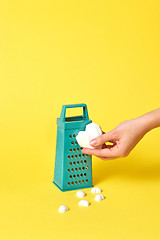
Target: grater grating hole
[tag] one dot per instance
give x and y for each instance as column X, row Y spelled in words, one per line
column 83, row 155
column 74, row 175
column 70, row 136
column 72, row 156
column 77, row 162
column 87, row 167
column 74, row 135
column 81, row 175
column 70, row 163
column 69, row 157
column 79, row 181
column 70, row 149
column 76, row 169
column 85, row 161
column 77, row 149
column 72, row 143
column 76, row 182
column 72, row 182
column 76, row 142
column 83, row 181
column 86, row 180
column 85, row 174
column 70, row 176
column 72, row 170
column 79, row 168
column 69, row 170
column 81, row 161
column 83, row 168
column 77, row 175
column 79, row 155
column 76, row 156
column 69, row 183
column 74, row 149
column 74, row 163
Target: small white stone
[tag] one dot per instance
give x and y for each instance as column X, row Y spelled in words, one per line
column 99, row 197
column 83, row 139
column 63, row 208
column 84, row 203
column 80, row 194
column 93, row 130
column 96, row 190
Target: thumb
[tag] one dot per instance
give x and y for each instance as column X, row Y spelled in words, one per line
column 98, row 141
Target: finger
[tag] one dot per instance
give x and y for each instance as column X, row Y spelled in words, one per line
column 106, row 152
column 107, row 137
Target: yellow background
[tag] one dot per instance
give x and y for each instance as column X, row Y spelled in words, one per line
column 102, row 53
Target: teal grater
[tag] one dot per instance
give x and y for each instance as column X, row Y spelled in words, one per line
column 73, row 169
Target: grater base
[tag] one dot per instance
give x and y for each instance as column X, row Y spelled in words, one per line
column 90, row 186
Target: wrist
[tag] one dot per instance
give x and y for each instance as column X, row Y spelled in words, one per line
column 150, row 120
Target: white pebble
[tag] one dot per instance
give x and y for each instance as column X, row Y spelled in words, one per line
column 63, row 208
column 96, row 190
column 84, row 137
column 80, row 194
column 93, row 130
column 99, row 197
column 84, row 203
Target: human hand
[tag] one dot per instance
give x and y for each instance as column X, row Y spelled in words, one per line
column 123, row 139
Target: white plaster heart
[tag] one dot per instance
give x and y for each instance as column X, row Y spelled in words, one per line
column 84, row 137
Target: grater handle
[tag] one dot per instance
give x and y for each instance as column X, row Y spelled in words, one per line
column 63, row 112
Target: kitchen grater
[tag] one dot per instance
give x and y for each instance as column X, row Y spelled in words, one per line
column 73, row 169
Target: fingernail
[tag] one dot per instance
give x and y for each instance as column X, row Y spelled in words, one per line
column 93, row 142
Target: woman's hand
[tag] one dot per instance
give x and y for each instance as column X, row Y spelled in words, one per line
column 123, row 139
